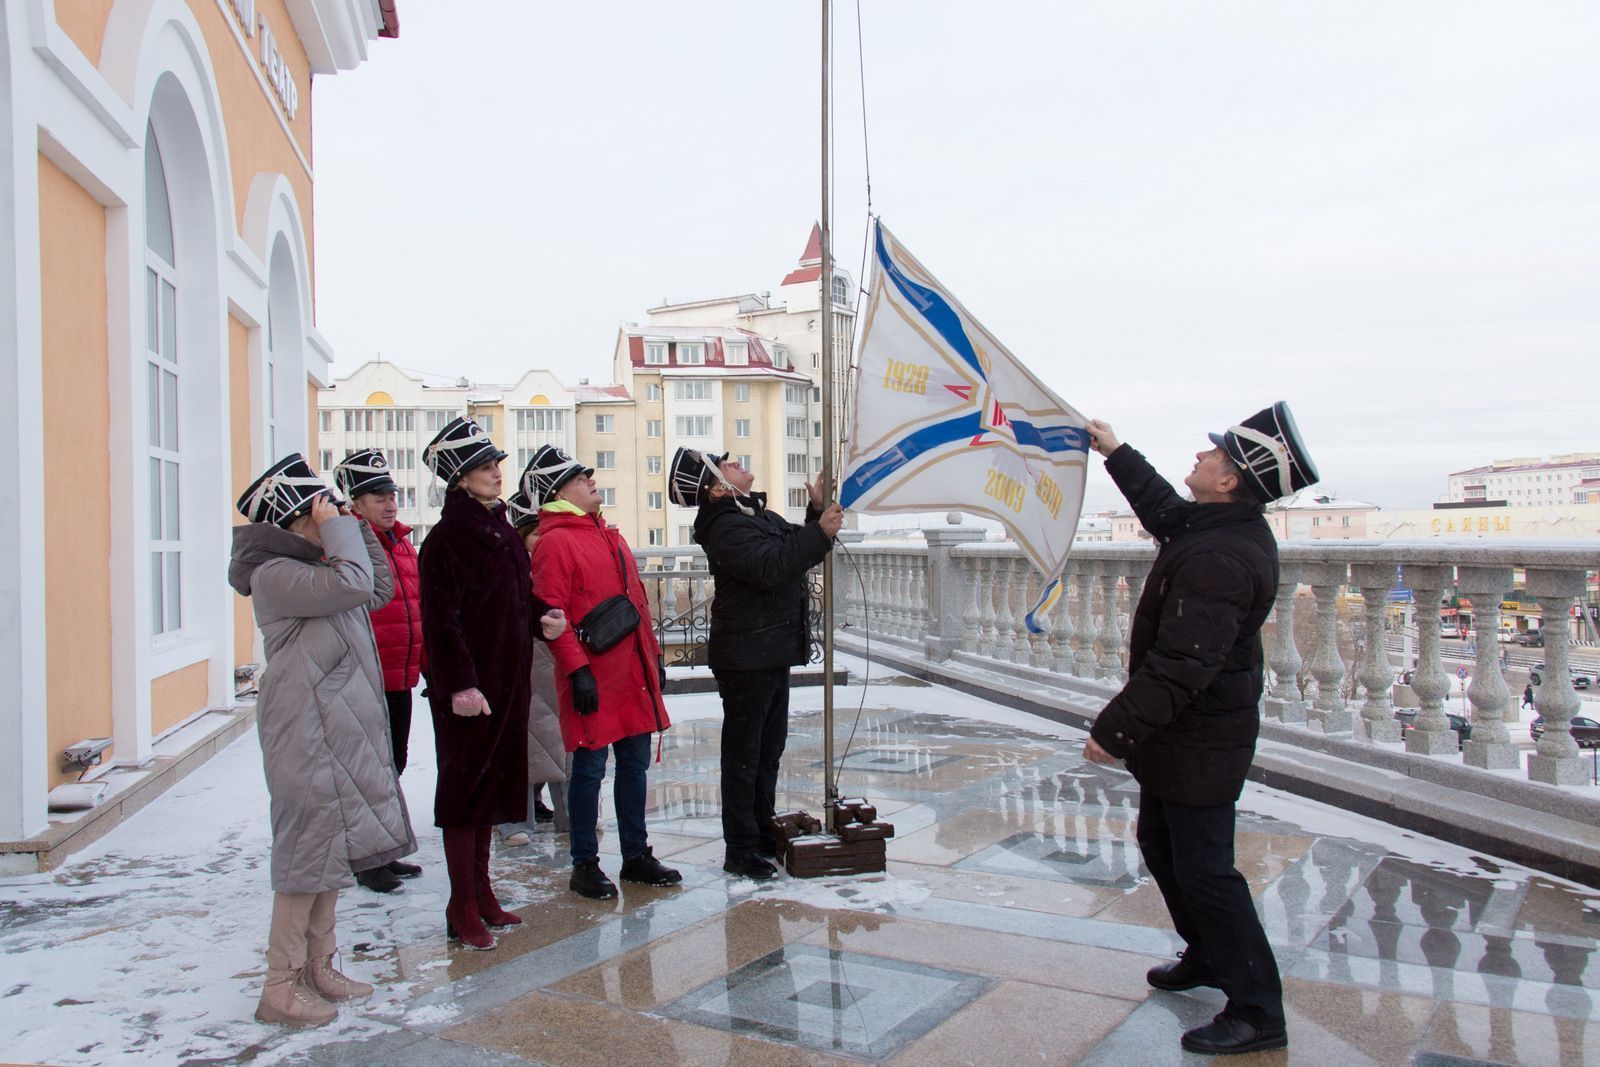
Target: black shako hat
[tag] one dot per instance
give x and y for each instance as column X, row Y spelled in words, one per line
column 520, row 511
column 284, row 493
column 460, row 447
column 548, row 470
column 366, row 471
column 693, row 473
column 1271, row 457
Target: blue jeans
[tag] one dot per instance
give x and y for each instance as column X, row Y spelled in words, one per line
column 583, row 797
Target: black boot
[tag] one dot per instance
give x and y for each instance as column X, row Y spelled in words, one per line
column 749, row 865
column 402, row 869
column 647, row 869
column 588, row 880
column 542, row 812
column 1229, row 1035
column 1185, row 972
column 378, row 879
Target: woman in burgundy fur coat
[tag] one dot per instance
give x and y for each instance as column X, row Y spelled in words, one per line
column 479, row 616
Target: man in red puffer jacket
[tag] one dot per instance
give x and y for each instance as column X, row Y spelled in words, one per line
column 364, row 478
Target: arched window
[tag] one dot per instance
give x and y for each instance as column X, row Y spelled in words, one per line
column 841, row 290
column 161, row 386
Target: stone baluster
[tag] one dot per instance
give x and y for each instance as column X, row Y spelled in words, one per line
column 1083, row 636
column 991, row 614
column 1040, row 655
column 1555, row 760
column 1005, row 641
column 1432, row 734
column 1108, row 642
column 1021, row 639
column 1061, row 626
column 972, row 617
column 919, row 596
column 1331, row 712
column 1284, row 703
column 896, row 601
column 1491, row 746
column 945, row 582
column 907, row 598
column 1377, row 722
column 883, row 616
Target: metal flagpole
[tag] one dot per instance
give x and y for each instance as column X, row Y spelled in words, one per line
column 831, row 790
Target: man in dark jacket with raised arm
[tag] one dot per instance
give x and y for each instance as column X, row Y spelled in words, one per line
column 759, row 562
column 1186, row 721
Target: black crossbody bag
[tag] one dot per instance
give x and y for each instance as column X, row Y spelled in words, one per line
column 611, row 620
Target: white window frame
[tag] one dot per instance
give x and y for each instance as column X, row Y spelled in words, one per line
column 605, row 424
column 652, row 427
column 691, row 353
column 741, row 392
column 736, row 354
column 693, row 425
column 741, row 427
column 655, row 353
column 652, row 392
column 164, row 410
column 652, row 464
column 653, row 500
column 794, row 428
column 691, row 389
column 608, row 497
column 605, row 460
column 656, row 537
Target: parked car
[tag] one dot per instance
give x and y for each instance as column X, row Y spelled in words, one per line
column 1579, row 681
column 1584, row 731
column 1530, row 639
column 1407, row 718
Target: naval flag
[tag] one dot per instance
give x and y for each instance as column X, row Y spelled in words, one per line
column 945, row 417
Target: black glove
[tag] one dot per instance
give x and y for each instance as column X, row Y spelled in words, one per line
column 661, row 671
column 585, row 693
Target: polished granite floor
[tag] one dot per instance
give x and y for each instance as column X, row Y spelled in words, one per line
column 1014, row 926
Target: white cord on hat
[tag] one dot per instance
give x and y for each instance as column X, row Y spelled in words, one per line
column 266, row 493
column 1275, row 448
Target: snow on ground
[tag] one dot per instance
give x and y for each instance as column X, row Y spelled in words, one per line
column 146, row 947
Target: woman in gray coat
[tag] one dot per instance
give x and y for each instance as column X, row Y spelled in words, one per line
column 313, row 575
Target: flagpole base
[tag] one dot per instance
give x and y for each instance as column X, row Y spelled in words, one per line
column 857, row 845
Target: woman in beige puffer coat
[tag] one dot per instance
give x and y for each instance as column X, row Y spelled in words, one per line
column 324, row 728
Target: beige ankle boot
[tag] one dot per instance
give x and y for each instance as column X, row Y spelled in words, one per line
column 287, row 999
column 330, row 984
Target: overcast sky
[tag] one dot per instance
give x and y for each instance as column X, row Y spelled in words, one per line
column 1386, row 213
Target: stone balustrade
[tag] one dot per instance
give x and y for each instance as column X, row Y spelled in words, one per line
column 955, row 594
column 960, row 596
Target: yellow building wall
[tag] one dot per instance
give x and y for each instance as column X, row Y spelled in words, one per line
column 255, row 138
column 176, row 696
column 85, row 22
column 250, row 110
column 240, row 474
column 77, row 400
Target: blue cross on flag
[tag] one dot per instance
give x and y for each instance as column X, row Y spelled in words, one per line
column 945, row 417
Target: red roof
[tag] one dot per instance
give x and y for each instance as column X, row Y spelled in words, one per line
column 813, row 244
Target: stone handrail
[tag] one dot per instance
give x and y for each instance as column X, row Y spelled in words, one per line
column 955, row 594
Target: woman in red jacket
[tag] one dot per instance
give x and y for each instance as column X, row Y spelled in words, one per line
column 608, row 699
column 367, row 482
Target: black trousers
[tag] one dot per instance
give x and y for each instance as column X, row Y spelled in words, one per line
column 399, row 702
column 1189, row 852
column 755, row 728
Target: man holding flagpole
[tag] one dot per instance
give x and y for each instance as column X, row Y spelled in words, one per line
column 1186, row 721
